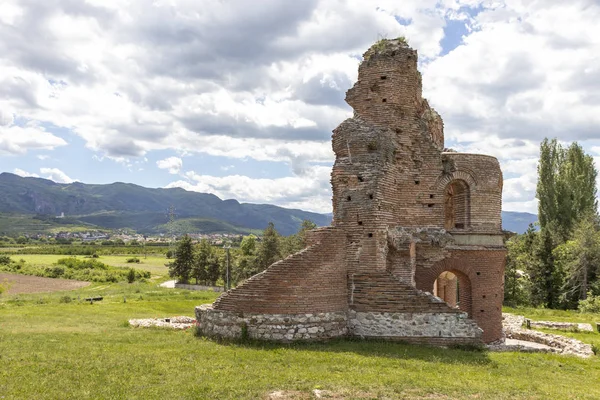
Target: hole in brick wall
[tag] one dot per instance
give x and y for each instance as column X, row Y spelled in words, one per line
column 482, row 310
column 370, row 235
column 431, row 196
column 371, row 196
column 484, row 296
column 417, row 182
column 360, row 222
column 430, row 205
column 349, row 198
column 384, row 100
column 478, row 273
column 383, row 77
column 360, row 178
column 398, row 130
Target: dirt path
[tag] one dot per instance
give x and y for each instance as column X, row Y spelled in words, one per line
column 34, row 284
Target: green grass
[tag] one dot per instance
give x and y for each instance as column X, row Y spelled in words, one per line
column 154, row 264
column 540, row 314
column 76, row 350
column 544, row 314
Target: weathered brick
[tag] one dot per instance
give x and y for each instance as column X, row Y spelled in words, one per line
column 404, row 212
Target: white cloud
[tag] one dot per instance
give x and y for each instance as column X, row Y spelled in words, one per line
column 56, row 175
column 173, row 164
column 309, row 191
column 268, row 82
column 24, row 174
column 16, row 140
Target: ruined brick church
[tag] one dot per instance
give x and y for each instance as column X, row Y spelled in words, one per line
column 415, row 251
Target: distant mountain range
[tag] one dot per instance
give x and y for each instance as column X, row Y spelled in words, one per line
column 125, row 205
column 517, row 221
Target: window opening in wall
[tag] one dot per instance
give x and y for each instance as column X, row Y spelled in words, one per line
column 371, row 196
column 360, row 178
column 349, row 198
column 417, row 182
column 454, row 287
column 370, row 235
column 360, row 222
column 430, row 205
column 457, row 205
column 431, row 196
column 383, row 100
column 383, row 77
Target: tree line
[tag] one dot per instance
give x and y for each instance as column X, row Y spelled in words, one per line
column 556, row 264
column 202, row 263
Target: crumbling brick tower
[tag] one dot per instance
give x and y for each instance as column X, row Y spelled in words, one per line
column 415, row 251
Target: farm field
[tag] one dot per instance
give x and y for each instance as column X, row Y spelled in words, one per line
column 18, row 284
column 87, row 351
column 154, row 264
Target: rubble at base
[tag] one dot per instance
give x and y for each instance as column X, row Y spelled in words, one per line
column 180, row 322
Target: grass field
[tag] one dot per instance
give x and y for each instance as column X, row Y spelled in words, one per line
column 54, row 350
column 154, row 264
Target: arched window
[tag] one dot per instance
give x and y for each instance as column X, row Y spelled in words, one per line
column 457, row 205
column 454, row 287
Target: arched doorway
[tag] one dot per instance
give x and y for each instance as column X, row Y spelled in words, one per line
column 454, row 287
column 457, row 205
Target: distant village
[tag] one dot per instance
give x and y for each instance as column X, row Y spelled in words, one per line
column 121, row 237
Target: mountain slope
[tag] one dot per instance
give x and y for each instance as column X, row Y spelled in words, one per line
column 121, row 205
column 517, row 221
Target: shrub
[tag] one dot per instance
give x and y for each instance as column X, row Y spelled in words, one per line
column 590, row 305
column 5, row 260
column 169, row 253
column 133, row 260
column 65, row 299
column 131, row 275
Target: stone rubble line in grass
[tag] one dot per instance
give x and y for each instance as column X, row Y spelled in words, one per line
column 561, row 325
column 513, row 327
column 180, row 322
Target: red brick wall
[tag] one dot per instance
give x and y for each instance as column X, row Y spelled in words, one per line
column 311, row 281
column 484, row 270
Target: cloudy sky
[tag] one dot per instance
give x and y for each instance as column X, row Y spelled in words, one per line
column 238, row 97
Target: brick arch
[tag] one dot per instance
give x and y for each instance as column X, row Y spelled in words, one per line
column 425, row 278
column 461, row 174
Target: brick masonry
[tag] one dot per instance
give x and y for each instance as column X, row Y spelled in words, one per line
column 405, row 212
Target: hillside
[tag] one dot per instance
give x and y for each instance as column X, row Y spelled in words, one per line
column 124, row 205
column 517, row 221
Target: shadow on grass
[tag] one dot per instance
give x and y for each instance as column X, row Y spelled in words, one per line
column 468, row 355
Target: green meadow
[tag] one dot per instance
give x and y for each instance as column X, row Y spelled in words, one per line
column 53, row 348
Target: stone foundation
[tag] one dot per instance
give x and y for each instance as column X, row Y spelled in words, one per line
column 433, row 328
column 271, row 327
column 407, row 326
